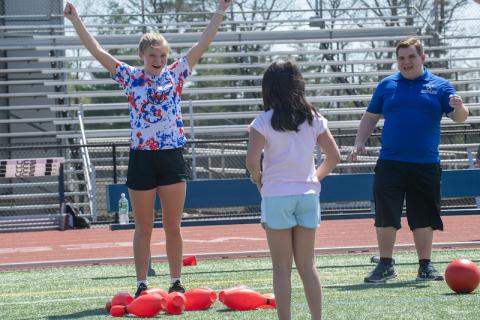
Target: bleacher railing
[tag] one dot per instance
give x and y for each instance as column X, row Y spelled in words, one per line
column 88, row 169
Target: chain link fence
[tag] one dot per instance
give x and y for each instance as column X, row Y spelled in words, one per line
column 205, row 159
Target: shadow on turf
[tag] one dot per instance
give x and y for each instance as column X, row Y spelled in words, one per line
column 325, row 266
column 389, row 285
column 187, row 273
column 239, row 270
column 454, row 294
column 80, row 314
column 231, row 271
column 101, row 311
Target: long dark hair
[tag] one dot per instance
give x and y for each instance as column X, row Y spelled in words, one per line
column 283, row 91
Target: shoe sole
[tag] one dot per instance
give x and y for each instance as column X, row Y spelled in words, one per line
column 380, row 281
column 428, row 279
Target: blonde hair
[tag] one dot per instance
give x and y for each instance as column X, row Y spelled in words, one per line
column 152, row 39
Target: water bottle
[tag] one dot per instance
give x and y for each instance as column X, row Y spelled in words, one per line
column 123, row 209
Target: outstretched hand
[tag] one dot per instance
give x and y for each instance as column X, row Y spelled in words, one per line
column 455, row 101
column 224, row 4
column 355, row 152
column 70, row 12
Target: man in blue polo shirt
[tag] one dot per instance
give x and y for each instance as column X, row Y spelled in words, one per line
column 412, row 102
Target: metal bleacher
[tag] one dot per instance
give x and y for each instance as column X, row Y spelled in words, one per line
column 48, row 81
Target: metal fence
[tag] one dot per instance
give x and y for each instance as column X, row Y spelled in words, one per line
column 205, row 159
column 22, row 196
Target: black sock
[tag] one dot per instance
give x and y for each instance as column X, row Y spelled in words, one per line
column 424, row 261
column 388, row 261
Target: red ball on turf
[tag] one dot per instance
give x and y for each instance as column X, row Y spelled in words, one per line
column 462, row 275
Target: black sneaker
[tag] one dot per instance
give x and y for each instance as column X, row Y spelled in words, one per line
column 176, row 287
column 381, row 273
column 427, row 272
column 142, row 287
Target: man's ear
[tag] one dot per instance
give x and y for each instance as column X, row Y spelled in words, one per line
column 424, row 57
column 140, row 55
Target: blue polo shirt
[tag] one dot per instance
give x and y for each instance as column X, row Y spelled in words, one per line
column 412, row 110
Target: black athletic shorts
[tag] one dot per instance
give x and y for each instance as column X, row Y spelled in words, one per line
column 416, row 183
column 149, row 169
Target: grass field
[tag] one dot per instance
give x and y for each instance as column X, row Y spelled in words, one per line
column 81, row 292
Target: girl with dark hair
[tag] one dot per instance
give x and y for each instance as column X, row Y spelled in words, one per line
column 287, row 133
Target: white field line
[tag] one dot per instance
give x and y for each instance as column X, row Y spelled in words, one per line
column 230, row 254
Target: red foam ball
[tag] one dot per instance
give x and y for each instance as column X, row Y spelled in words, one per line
column 462, row 275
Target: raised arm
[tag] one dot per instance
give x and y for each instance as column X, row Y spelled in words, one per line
column 365, row 129
column 195, row 53
column 92, row 45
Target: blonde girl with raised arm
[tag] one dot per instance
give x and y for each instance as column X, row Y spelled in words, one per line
column 156, row 163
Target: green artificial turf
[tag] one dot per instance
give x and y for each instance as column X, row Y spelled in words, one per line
column 81, row 292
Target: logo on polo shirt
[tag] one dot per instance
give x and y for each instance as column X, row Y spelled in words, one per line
column 429, row 88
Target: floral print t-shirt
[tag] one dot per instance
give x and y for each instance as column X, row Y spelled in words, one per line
column 154, row 105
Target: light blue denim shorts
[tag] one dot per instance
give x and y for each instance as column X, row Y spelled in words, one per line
column 285, row 212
